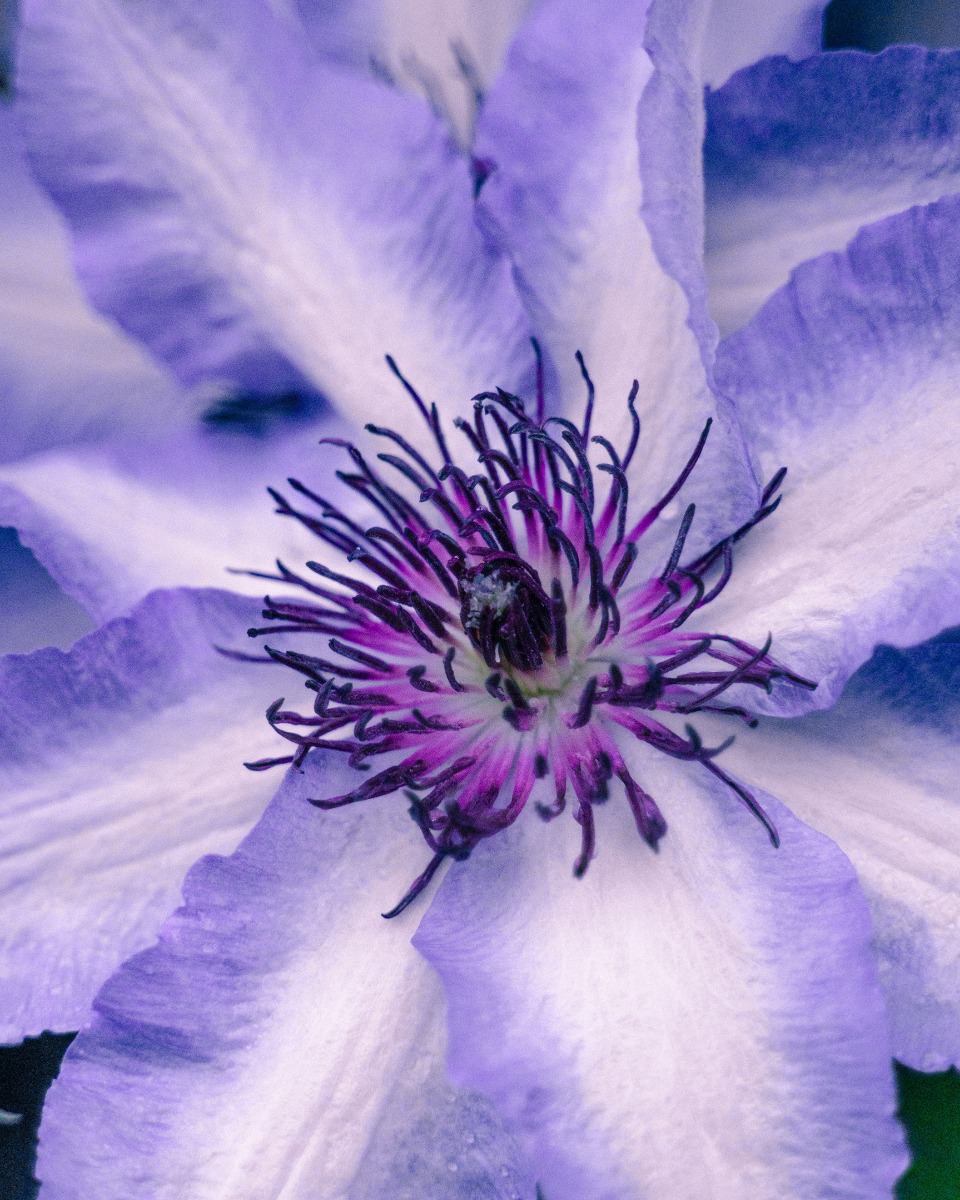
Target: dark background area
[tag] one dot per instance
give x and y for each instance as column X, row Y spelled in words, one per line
column 929, row 1104
column 873, row 24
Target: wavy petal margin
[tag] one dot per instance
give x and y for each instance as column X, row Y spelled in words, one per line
column 848, row 378
column 799, row 156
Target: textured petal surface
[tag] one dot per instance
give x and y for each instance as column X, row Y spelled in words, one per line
column 121, row 762
column 112, row 524
column 848, row 378
column 256, row 215
column 740, row 34
column 561, row 130
column 799, row 155
column 65, row 372
column 879, row 774
column 281, row 1040
column 703, row 1022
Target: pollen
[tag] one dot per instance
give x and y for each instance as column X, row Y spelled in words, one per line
column 488, row 597
column 499, row 643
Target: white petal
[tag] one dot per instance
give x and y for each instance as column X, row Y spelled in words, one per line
column 879, row 774
column 66, row 373
column 596, row 117
column 446, row 50
column 848, row 378
column 281, row 1039
column 121, row 763
column 701, row 1022
column 248, row 210
column 111, row 525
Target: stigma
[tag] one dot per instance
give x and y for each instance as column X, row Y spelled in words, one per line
column 488, row 638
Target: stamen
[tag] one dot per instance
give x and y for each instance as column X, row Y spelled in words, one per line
column 486, row 571
column 420, row 884
column 591, row 392
column 416, row 677
column 360, row 656
column 448, row 668
column 541, row 391
column 627, row 560
column 584, row 818
column 646, row 521
column 558, row 621
column 677, row 550
column 585, row 707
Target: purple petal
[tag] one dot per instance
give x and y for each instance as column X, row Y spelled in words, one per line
column 561, row 130
column 121, row 762
column 848, row 377
column 672, row 1025
column 258, row 216
column 348, row 33
column 66, row 374
column 800, row 155
column 448, row 52
column 879, row 774
column 281, row 1038
column 739, row 34
column 114, row 523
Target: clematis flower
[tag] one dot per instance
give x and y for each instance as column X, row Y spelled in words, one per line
column 571, row 1009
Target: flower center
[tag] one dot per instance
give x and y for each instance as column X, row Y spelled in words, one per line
column 505, row 613
column 501, row 643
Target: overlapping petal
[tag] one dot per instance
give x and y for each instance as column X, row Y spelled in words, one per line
column 66, row 374
column 879, row 774
column 740, row 34
column 121, row 762
column 281, row 1039
column 848, row 378
column 799, row 156
column 256, row 215
column 110, row 524
column 705, row 1021
column 559, row 131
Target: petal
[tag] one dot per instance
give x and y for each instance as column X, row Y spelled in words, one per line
column 256, row 215
column 447, row 50
column 703, row 1022
column 560, row 130
column 281, row 1039
column 114, row 523
column 66, row 373
column 799, row 155
column 740, row 34
column 878, row 774
column 121, row 762
column 848, row 377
